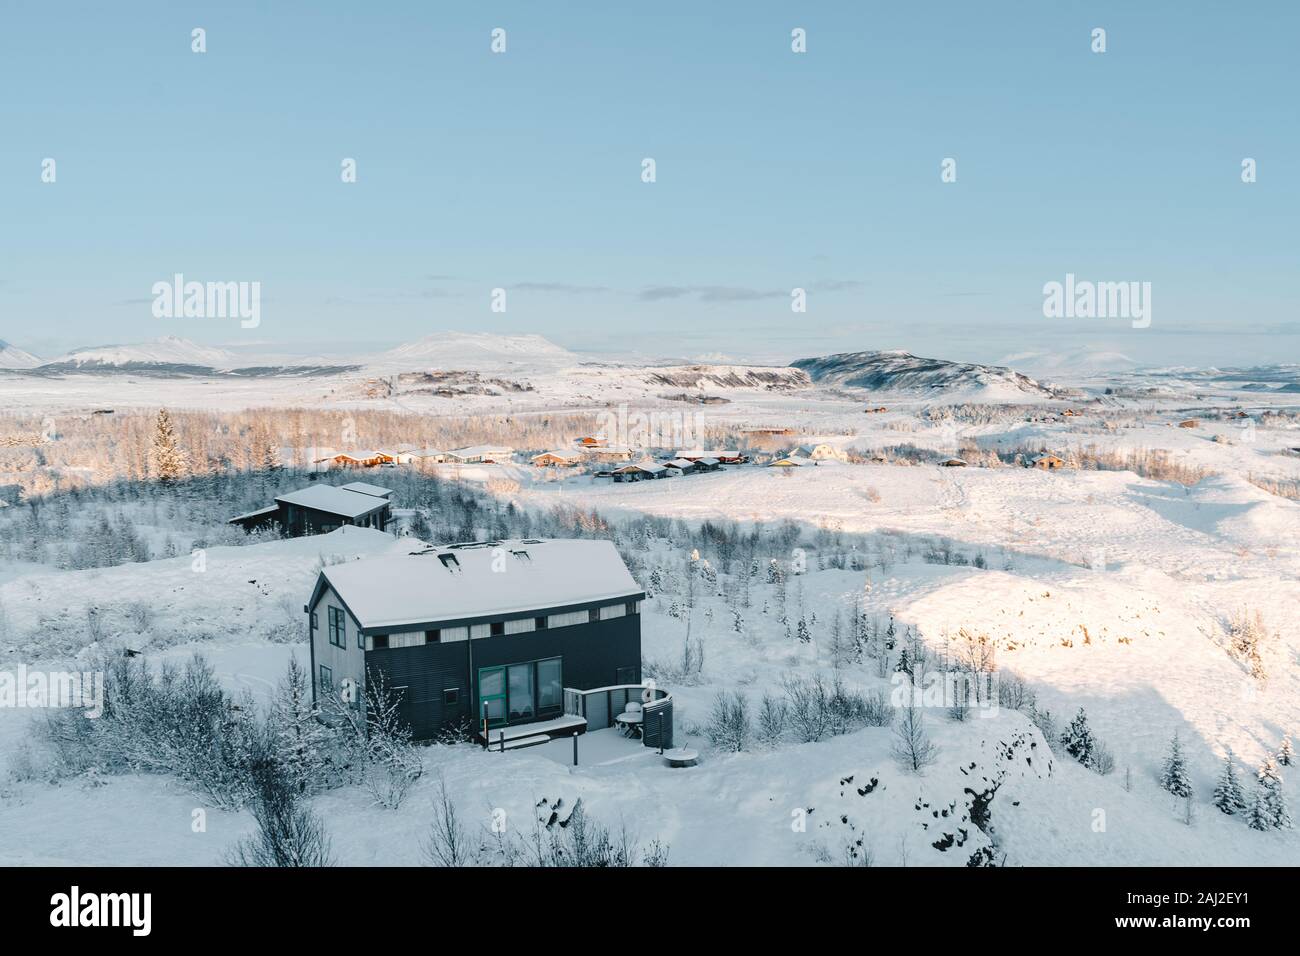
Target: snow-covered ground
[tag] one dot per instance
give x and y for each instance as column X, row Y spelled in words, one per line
column 1100, row 589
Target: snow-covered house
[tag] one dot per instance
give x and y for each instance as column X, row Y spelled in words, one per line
column 557, row 459
column 497, row 633
column 481, row 455
column 792, row 461
column 368, row 458
column 640, row 471
column 820, row 451
column 321, row 508
column 1047, row 462
column 727, row 456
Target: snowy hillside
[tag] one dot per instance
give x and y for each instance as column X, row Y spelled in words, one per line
column 457, row 350
column 168, row 350
column 11, row 356
column 898, row 371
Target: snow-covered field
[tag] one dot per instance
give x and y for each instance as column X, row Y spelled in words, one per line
column 1101, row 590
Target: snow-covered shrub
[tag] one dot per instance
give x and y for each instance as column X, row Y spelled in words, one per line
column 729, row 726
column 288, row 833
column 377, row 741
column 772, row 720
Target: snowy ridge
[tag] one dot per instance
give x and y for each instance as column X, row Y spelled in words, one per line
column 476, row 350
column 13, row 357
column 168, row 350
column 903, row 371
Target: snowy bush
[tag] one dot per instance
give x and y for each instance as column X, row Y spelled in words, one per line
column 729, row 726
column 288, row 833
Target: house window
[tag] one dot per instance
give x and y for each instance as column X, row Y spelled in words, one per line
column 313, row 621
column 326, row 678
column 630, row 608
column 381, row 641
column 539, row 624
column 498, row 628
column 451, row 697
column 433, row 637
column 338, row 629
column 593, row 615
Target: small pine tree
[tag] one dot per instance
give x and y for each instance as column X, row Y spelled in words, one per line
column 302, row 742
column 1286, row 756
column 1173, row 776
column 1078, row 740
column 1228, row 795
column 167, row 458
column 904, row 665
column 1270, row 792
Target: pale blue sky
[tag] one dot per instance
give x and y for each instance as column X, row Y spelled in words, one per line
column 775, row 170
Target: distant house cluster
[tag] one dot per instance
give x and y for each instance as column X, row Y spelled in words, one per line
column 690, row 462
column 320, row 509
column 376, row 458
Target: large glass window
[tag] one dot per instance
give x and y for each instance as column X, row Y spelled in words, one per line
column 550, row 691
column 521, row 692
column 492, row 695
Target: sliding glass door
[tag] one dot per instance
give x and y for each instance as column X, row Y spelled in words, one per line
column 518, row 693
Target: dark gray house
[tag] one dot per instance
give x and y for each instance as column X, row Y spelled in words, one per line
column 503, row 633
column 320, row 509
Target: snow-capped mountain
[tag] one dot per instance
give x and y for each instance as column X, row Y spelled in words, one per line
column 168, row 350
column 903, row 371
column 476, row 350
column 13, row 357
column 1080, row 361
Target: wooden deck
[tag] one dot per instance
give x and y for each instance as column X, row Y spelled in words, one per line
column 533, row 734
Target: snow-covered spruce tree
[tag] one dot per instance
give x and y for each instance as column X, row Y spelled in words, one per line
column 1228, row 795
column 1286, row 755
column 166, row 458
column 302, row 743
column 904, row 665
column 1270, row 793
column 1257, row 818
column 1173, row 775
column 912, row 746
column 1078, row 741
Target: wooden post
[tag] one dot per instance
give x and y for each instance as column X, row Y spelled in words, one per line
column 502, row 738
column 661, row 732
column 575, row 748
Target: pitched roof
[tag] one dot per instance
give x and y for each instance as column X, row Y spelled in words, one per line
column 365, row 488
column 337, row 501
column 479, row 580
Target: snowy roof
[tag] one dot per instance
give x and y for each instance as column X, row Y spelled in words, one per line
column 708, row 461
column 474, row 451
column 796, row 460
column 338, row 501
column 469, row 581
column 365, row 488
column 364, row 455
column 566, row 455
column 259, row 513
column 681, row 463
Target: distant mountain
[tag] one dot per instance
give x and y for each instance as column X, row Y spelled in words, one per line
column 459, row 350
column 1085, row 360
column 13, row 357
column 727, row 376
column 903, row 371
column 168, row 350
